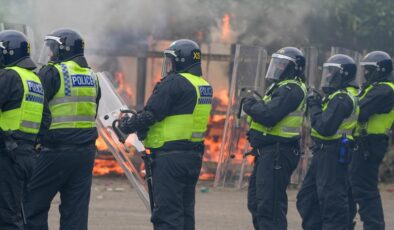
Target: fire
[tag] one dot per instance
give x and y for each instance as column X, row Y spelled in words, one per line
column 100, row 144
column 226, row 29
column 105, row 163
column 106, row 166
column 215, row 126
column 123, row 88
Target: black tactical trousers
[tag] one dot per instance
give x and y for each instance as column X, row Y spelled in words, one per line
column 323, row 198
column 175, row 175
column 364, row 173
column 67, row 170
column 16, row 169
column 267, row 197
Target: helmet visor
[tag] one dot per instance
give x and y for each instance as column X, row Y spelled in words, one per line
column 168, row 65
column 368, row 70
column 50, row 50
column 330, row 70
column 277, row 67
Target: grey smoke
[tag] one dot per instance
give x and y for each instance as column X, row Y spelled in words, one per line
column 105, row 23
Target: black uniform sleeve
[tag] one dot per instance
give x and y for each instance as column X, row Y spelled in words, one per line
column 328, row 121
column 98, row 98
column 284, row 100
column 156, row 109
column 46, row 120
column 380, row 99
column 163, row 97
column 10, row 93
column 50, row 80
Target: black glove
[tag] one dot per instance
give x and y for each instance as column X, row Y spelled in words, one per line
column 142, row 134
column 313, row 98
column 128, row 124
column 138, row 122
column 248, row 102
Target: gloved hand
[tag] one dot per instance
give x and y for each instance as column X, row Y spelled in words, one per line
column 128, row 124
column 142, row 134
column 313, row 98
column 248, row 102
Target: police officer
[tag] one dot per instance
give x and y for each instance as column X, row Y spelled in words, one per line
column 375, row 120
column 68, row 152
column 322, row 200
column 176, row 115
column 22, row 103
column 274, row 135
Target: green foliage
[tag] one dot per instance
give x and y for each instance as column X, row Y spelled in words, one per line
column 358, row 24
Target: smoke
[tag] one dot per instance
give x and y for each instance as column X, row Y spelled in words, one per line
column 116, row 23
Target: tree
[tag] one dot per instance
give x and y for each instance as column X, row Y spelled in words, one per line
column 357, row 24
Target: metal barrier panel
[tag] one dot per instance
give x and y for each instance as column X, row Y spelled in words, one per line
column 248, row 76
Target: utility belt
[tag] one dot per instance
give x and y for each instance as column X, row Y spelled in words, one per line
column 326, row 144
column 160, row 153
column 18, row 136
column 67, row 146
column 342, row 147
column 366, row 143
column 275, row 147
column 9, row 145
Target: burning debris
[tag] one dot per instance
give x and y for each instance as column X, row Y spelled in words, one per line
column 106, row 164
column 217, row 64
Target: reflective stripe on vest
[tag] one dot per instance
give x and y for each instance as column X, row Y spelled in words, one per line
column 377, row 123
column 73, row 119
column 74, row 105
column 348, row 125
column 62, row 100
column 191, row 127
column 289, row 126
column 27, row 118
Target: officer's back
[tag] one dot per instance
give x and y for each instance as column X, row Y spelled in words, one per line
column 21, row 113
column 173, row 125
column 67, row 157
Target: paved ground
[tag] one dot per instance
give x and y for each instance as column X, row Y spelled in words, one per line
column 115, row 206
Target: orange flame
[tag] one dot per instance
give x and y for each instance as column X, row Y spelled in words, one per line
column 123, row 87
column 106, row 166
column 225, row 37
column 100, row 144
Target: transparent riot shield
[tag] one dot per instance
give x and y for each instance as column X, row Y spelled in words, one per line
column 247, row 79
column 312, row 80
column 355, row 55
column 129, row 154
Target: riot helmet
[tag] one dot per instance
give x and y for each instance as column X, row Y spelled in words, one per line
column 62, row 45
column 15, row 49
column 183, row 56
column 286, row 63
column 376, row 66
column 338, row 72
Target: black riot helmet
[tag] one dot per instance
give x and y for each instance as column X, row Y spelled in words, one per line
column 64, row 45
column 286, row 63
column 15, row 49
column 183, row 56
column 376, row 66
column 339, row 71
